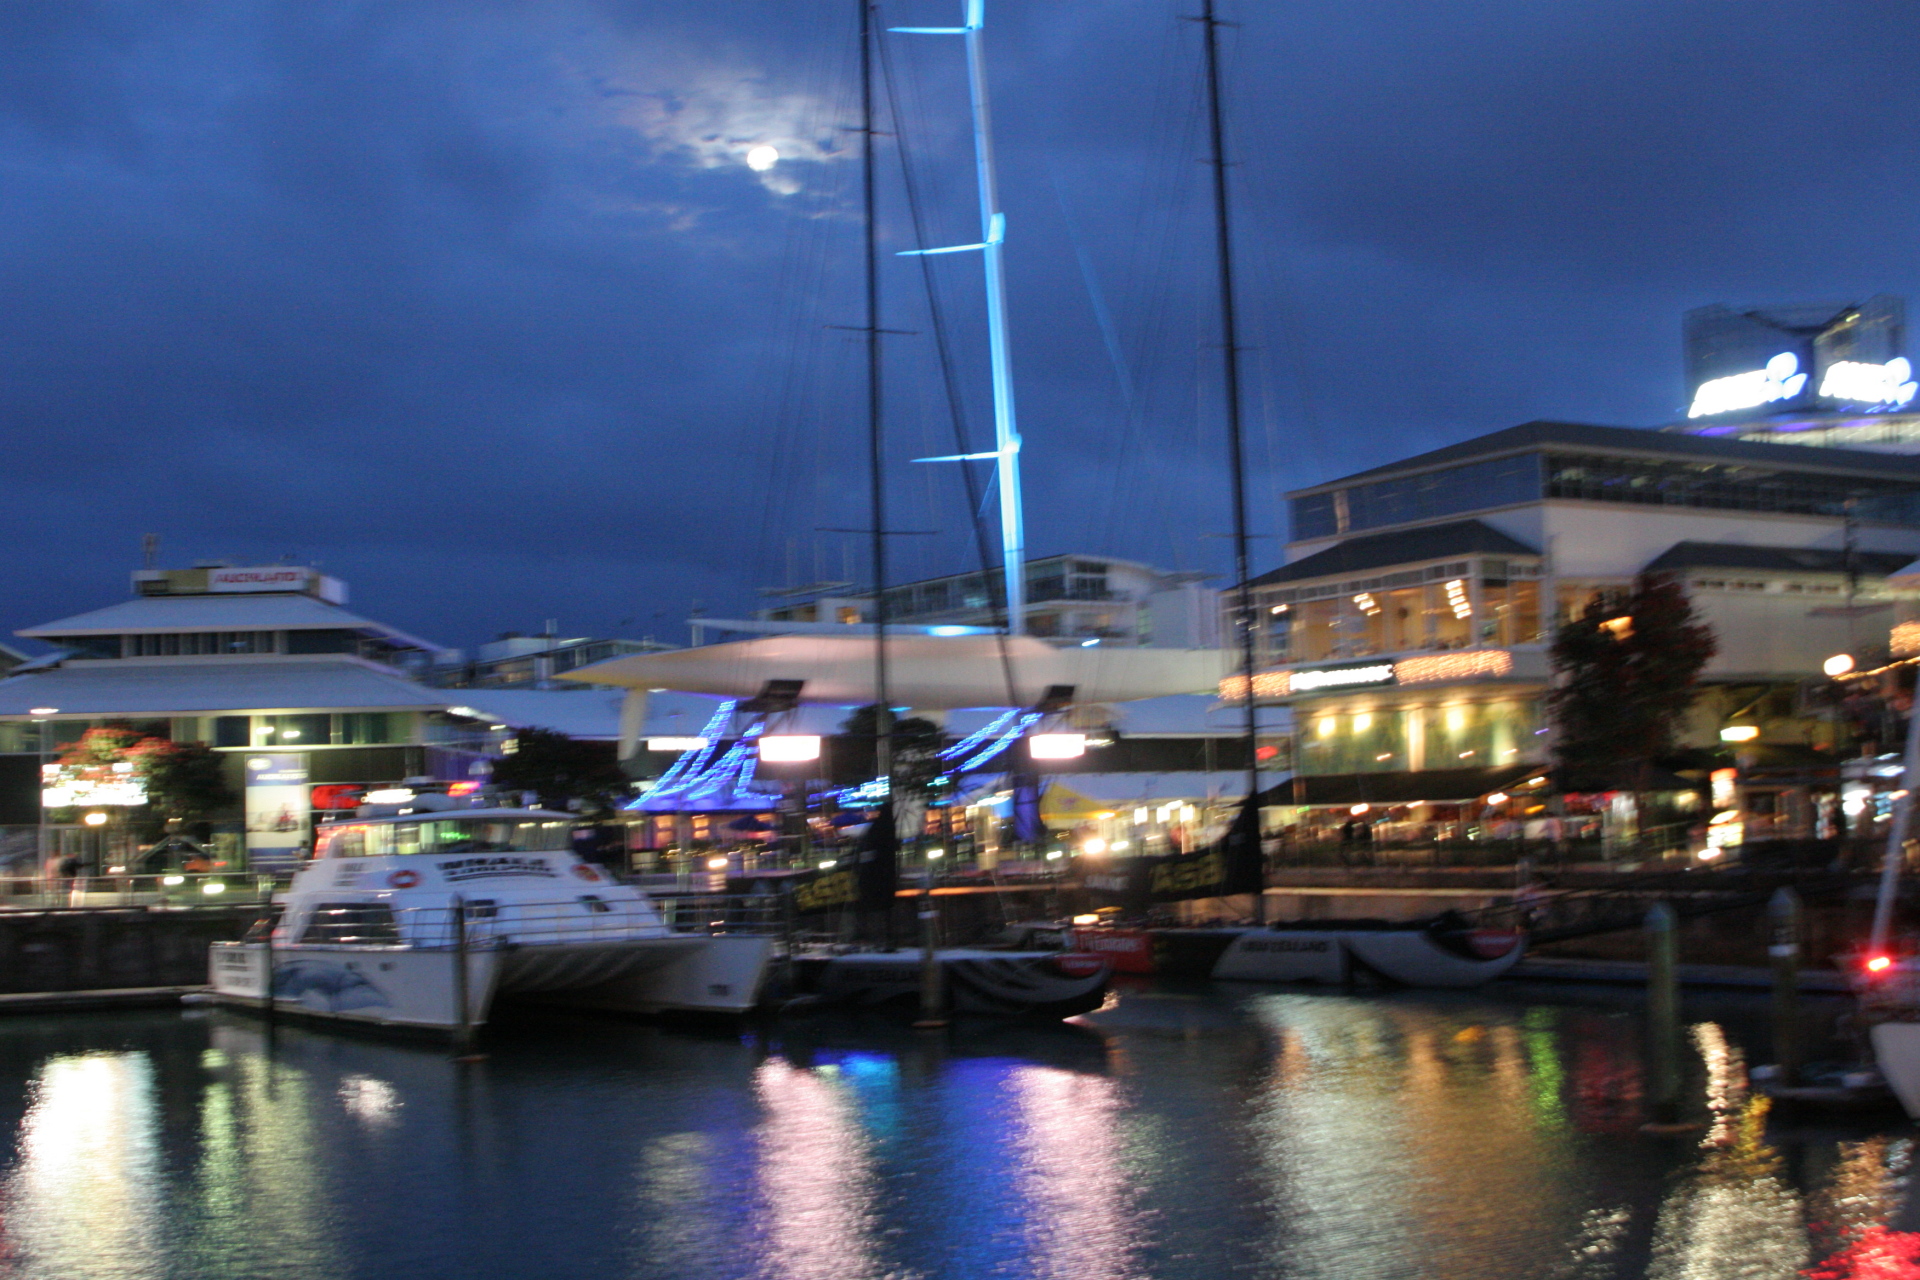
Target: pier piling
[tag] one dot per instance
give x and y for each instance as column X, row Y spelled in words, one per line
column 1783, row 923
column 1663, row 1015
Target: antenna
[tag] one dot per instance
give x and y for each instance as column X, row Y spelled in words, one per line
column 149, row 548
column 993, row 231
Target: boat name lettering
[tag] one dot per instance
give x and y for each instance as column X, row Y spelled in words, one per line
column 1183, row 875
column 827, row 891
column 484, row 868
column 1319, row 944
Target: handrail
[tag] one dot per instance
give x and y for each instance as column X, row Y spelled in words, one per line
column 494, row 925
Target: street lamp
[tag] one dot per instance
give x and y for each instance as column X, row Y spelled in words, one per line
column 1838, row 665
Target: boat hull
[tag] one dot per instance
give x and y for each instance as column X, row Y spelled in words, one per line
column 1896, row 1049
column 1407, row 957
column 997, row 983
column 397, row 986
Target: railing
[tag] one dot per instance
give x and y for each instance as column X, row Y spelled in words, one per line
column 173, row 891
column 584, row 919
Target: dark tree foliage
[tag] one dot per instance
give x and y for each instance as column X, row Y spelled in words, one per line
column 185, row 780
column 560, row 770
column 1627, row 669
column 916, row 752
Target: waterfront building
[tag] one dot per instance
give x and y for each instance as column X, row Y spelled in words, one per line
column 516, row 661
column 1831, row 374
column 263, row 664
column 1071, row 599
column 1408, row 629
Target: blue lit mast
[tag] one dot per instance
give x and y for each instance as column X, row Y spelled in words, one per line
column 993, row 228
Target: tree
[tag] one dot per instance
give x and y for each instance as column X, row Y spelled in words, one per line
column 184, row 780
column 1627, row 669
column 560, row 770
column 916, row 752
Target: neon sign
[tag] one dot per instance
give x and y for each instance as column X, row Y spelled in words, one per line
column 1780, row 380
column 1889, row 384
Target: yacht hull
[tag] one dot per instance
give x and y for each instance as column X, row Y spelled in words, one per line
column 399, row 986
column 998, row 983
column 1333, row 954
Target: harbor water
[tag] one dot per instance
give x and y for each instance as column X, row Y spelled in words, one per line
column 1191, row 1133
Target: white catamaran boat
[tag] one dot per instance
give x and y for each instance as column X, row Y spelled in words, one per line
column 424, row 920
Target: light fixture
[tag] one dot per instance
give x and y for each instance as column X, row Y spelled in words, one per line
column 716, row 863
column 1497, row 797
column 95, row 819
column 1057, row 746
column 933, row 854
column 1093, row 844
column 171, row 881
column 44, row 711
column 676, row 744
column 790, row 748
column 1359, row 809
column 1740, row 733
column 1838, row 665
column 213, row 886
column 828, row 865
column 1086, row 919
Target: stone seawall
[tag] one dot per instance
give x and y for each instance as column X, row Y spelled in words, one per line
column 95, row 949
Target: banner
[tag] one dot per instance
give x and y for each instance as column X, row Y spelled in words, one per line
column 278, row 817
column 863, row 881
column 1232, row 866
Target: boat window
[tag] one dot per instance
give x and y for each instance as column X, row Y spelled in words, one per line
column 594, row 904
column 351, row 922
column 347, row 842
column 482, row 909
column 462, row 835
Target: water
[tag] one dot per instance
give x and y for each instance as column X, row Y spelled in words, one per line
column 1203, row 1133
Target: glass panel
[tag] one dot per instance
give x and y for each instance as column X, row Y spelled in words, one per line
column 406, row 837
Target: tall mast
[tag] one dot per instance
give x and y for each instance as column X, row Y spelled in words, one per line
column 876, row 453
column 1230, row 347
column 993, row 233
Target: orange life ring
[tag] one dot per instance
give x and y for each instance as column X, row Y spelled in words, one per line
column 404, row 879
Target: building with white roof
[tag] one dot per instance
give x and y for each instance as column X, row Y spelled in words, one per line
column 266, row 665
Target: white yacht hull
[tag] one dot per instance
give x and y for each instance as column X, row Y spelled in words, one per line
column 405, row 987
column 1896, row 1049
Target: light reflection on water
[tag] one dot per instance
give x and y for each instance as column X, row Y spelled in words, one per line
column 1200, row 1134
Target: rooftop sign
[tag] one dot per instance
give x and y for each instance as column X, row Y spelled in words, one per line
column 278, row 577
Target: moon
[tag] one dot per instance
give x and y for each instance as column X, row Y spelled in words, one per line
column 762, row 157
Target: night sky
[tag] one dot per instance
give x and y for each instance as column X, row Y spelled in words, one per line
column 481, row 306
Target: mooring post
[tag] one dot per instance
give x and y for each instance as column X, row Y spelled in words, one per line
column 1663, row 1015
column 266, row 982
column 933, row 1013
column 1783, row 920
column 463, row 1016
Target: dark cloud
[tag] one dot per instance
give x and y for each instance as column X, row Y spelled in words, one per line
column 479, row 304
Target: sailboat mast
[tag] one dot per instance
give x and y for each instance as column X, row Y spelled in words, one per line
column 1006, row 433
column 1230, row 348
column 876, row 451
column 993, row 234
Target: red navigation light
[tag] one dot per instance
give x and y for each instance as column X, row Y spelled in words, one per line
column 1879, row 963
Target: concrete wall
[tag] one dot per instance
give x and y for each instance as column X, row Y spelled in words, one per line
column 97, row 950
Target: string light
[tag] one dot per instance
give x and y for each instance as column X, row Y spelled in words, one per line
column 1453, row 666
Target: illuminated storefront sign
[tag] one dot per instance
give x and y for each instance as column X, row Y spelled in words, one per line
column 64, row 786
column 1888, row 384
column 1341, row 677
column 277, row 577
column 1780, row 380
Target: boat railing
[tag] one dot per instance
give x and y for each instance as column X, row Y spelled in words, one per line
column 584, row 919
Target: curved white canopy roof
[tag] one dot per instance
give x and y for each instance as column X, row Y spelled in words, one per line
column 932, row 673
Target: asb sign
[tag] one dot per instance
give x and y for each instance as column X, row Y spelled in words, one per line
column 1890, row 385
column 275, row 577
column 1780, row 380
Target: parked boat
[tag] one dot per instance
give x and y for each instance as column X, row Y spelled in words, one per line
column 1039, row 984
column 1441, row 952
column 426, row 920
